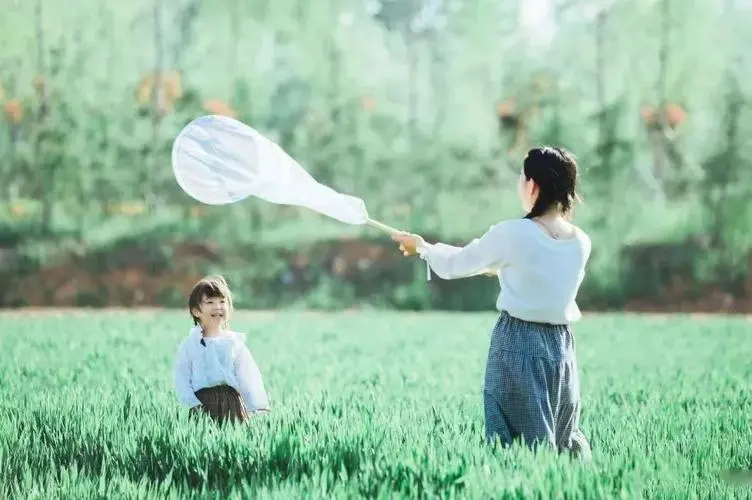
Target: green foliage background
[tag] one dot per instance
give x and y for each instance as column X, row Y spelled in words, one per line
column 395, row 102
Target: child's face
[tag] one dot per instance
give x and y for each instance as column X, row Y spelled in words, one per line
column 213, row 312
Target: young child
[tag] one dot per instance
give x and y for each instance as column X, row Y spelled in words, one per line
column 215, row 372
column 531, row 387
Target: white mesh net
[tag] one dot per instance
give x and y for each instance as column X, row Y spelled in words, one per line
column 219, row 160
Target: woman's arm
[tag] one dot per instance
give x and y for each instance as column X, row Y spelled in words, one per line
column 480, row 256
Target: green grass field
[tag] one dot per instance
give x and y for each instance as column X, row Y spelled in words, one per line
column 373, row 404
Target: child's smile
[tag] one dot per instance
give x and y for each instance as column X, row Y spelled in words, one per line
column 213, row 313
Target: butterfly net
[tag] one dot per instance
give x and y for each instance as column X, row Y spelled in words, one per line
column 218, row 160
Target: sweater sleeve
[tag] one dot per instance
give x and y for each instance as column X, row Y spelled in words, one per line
column 481, row 254
column 251, row 384
column 182, row 378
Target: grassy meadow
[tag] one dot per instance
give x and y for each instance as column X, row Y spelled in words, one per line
column 366, row 404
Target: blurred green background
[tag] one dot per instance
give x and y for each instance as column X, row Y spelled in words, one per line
column 423, row 108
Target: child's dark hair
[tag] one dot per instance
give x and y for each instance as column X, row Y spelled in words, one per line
column 209, row 287
column 554, row 170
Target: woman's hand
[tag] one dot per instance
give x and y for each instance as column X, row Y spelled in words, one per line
column 408, row 243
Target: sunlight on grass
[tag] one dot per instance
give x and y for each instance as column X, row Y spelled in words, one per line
column 371, row 404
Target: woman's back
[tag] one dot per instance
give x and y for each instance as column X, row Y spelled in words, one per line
column 539, row 275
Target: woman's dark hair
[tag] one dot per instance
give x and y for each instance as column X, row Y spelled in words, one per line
column 554, row 170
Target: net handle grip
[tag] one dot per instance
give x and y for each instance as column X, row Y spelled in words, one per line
column 382, row 227
column 391, row 231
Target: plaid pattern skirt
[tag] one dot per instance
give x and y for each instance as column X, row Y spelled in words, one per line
column 222, row 403
column 531, row 389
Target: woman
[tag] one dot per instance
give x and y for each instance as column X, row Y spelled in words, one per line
column 531, row 388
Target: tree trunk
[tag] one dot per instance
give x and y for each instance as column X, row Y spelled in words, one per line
column 48, row 177
column 158, row 106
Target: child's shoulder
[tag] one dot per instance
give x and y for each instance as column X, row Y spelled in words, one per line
column 193, row 335
column 185, row 347
column 237, row 336
column 239, row 341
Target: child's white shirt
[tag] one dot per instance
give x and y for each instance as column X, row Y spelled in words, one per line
column 225, row 359
column 539, row 276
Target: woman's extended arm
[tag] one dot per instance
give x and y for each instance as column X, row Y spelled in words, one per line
column 451, row 262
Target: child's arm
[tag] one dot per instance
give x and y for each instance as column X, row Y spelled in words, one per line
column 251, row 384
column 182, row 378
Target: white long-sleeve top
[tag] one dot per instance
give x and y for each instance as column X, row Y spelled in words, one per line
column 225, row 359
column 539, row 276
